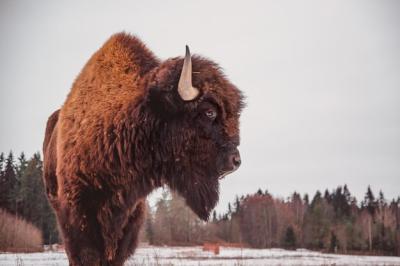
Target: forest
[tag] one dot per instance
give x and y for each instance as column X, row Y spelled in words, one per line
column 330, row 221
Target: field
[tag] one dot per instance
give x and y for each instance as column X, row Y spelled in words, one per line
column 195, row 256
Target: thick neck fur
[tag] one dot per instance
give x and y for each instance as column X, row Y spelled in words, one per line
column 143, row 158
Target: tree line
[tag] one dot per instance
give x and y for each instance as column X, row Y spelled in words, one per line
column 22, row 193
column 332, row 222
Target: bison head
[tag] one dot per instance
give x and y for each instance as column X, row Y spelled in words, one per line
column 198, row 111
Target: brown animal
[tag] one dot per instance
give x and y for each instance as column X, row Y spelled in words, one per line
column 130, row 124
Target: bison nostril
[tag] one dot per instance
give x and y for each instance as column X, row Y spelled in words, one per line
column 236, row 160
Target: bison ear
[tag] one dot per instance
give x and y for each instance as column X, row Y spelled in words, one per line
column 163, row 102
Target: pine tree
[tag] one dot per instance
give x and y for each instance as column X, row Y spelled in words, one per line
column 20, row 168
column 381, row 204
column 8, row 184
column 327, row 196
column 237, row 204
column 290, row 238
column 369, row 202
column 3, row 183
column 23, row 163
column 34, row 205
column 381, row 201
column 229, row 210
column 214, row 215
column 347, row 195
column 297, row 208
column 340, row 203
column 317, row 198
column 1, row 164
column 306, row 199
column 334, row 242
column 370, row 205
column 317, row 222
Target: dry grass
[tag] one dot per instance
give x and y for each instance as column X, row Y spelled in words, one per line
column 17, row 235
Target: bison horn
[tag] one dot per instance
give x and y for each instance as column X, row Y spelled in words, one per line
column 185, row 88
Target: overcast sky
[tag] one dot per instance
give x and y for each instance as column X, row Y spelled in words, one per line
column 322, row 80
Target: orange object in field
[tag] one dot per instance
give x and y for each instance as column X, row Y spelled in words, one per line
column 211, row 247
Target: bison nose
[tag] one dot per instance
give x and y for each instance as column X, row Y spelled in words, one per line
column 235, row 159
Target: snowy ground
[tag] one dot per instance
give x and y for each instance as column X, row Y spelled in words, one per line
column 195, row 256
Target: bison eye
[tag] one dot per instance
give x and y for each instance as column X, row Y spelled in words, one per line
column 211, row 114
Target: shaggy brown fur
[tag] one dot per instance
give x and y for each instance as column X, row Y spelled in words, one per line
column 124, row 131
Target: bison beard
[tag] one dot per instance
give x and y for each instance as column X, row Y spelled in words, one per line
column 131, row 124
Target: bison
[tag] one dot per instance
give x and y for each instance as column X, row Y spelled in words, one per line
column 130, row 124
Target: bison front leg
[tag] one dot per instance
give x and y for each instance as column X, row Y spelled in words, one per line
column 82, row 238
column 128, row 243
column 120, row 225
column 77, row 216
